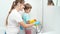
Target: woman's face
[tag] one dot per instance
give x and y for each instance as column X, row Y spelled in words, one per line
column 21, row 6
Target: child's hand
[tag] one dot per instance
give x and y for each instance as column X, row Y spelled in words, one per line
column 35, row 20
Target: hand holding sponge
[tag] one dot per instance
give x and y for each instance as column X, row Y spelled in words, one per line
column 33, row 21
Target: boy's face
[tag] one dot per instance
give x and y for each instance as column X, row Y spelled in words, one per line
column 28, row 10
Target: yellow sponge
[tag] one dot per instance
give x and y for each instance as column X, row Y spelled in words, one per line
column 32, row 21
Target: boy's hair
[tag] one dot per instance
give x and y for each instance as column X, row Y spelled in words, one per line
column 27, row 6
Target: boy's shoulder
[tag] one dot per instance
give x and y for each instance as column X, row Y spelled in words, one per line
column 25, row 14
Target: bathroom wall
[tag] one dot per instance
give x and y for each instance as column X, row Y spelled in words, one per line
column 58, row 2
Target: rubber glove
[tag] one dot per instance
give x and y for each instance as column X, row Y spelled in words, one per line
column 37, row 23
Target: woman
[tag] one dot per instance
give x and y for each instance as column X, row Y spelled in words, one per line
column 14, row 18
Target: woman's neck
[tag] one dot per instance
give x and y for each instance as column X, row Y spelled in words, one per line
column 18, row 9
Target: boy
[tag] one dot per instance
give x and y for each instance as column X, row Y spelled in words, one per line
column 27, row 19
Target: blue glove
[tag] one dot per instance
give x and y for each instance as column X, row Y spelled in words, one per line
column 37, row 23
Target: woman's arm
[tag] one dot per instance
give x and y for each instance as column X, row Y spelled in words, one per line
column 25, row 25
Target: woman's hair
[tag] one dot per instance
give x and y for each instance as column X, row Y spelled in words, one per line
column 50, row 2
column 13, row 5
column 27, row 6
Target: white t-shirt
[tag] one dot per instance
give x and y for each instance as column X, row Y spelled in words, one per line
column 21, row 12
column 14, row 18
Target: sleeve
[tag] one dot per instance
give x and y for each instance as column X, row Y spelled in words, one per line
column 25, row 17
column 18, row 18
